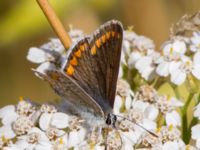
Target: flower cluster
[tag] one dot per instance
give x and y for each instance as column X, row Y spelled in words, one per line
column 178, row 58
column 146, row 118
column 33, row 126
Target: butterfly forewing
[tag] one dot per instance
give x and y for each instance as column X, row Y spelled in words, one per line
column 94, row 62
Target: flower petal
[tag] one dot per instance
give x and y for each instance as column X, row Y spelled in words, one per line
column 196, row 71
column 60, row 120
column 7, row 132
column 76, row 137
column 173, row 118
column 151, row 112
column 178, row 77
column 196, row 132
column 163, row 69
column 37, row 55
column 44, row 121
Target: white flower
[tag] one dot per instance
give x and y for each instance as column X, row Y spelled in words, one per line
column 8, row 116
column 58, row 120
column 179, row 70
column 173, row 118
column 170, row 133
column 195, row 42
column 146, row 65
column 76, row 137
column 196, row 134
column 22, row 125
column 25, row 108
column 54, row 45
column 37, row 55
column 175, row 145
column 75, row 34
column 44, row 67
column 167, row 105
column 146, row 93
column 143, row 114
column 123, row 98
column 135, row 47
column 172, row 51
column 35, row 139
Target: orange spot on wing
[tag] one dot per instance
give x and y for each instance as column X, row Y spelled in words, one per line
column 98, row 43
column 108, row 35
column 113, row 34
column 70, row 70
column 78, row 53
column 54, row 76
column 93, row 50
column 103, row 38
column 118, row 35
column 86, row 45
column 74, row 61
column 82, row 47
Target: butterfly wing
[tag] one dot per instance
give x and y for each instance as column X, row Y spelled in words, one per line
column 94, row 63
column 67, row 88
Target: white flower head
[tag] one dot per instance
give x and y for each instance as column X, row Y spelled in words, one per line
column 195, row 42
column 54, row 45
column 58, row 120
column 35, row 139
column 123, row 98
column 146, row 93
column 169, row 133
column 185, row 67
column 146, row 65
column 37, row 55
column 22, row 125
column 196, row 134
column 25, row 108
column 46, row 108
column 167, row 104
column 172, row 51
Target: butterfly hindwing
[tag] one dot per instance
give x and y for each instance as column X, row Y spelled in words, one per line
column 93, row 64
column 65, row 87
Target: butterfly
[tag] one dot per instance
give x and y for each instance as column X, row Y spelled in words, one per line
column 88, row 78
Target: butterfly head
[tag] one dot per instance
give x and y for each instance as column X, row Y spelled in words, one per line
column 111, row 119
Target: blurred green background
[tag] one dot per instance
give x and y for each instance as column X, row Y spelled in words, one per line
column 23, row 25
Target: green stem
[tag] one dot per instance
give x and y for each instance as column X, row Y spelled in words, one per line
column 194, row 119
column 185, row 132
column 158, row 83
column 176, row 91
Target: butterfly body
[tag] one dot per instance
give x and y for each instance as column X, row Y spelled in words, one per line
column 88, row 78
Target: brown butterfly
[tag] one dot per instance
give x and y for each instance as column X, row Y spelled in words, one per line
column 87, row 81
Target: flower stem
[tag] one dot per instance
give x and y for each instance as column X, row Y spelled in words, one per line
column 176, row 91
column 55, row 23
column 194, row 119
column 185, row 129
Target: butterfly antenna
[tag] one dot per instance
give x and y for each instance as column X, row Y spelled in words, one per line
column 139, row 125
